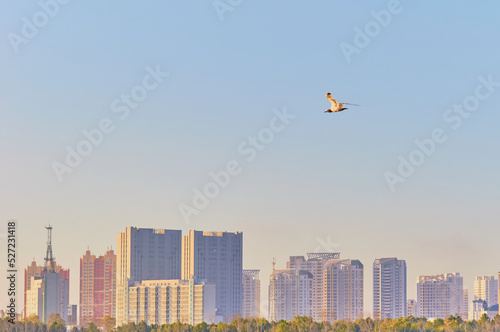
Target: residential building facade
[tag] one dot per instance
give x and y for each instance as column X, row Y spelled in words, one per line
column 34, row 298
column 314, row 263
column 440, row 295
column 290, row 294
column 343, row 290
column 97, row 287
column 144, row 254
column 389, row 288
column 170, row 301
column 465, row 310
column 55, row 295
column 216, row 257
column 251, row 294
column 486, row 289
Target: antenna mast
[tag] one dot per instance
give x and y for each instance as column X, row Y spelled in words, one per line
column 49, row 260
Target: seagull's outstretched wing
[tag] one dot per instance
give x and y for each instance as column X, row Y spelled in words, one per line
column 335, row 104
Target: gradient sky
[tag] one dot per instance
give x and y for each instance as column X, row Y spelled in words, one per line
column 320, row 180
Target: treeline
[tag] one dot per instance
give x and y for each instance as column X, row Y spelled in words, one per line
column 299, row 324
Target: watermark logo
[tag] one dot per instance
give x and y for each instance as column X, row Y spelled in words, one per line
column 372, row 29
column 95, row 137
column 32, row 26
column 11, row 270
column 249, row 150
column 222, row 7
column 326, row 245
column 454, row 116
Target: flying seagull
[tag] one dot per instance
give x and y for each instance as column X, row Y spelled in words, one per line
column 336, row 106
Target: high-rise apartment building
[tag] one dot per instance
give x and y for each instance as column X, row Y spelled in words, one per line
column 34, row 298
column 55, row 295
column 465, row 306
column 148, row 254
column 486, row 289
column 48, row 284
column 145, row 254
column 251, row 294
column 37, row 271
column 290, row 294
column 343, row 290
column 33, row 270
column 97, row 287
column 303, row 277
column 314, row 264
column 440, row 295
column 216, row 257
column 170, row 301
column 389, row 288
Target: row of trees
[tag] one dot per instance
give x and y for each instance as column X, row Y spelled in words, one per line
column 299, row 324
column 33, row 324
column 56, row 324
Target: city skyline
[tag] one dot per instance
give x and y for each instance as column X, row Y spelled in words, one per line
column 173, row 115
column 296, row 262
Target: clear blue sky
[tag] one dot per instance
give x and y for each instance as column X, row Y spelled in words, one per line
column 322, row 177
